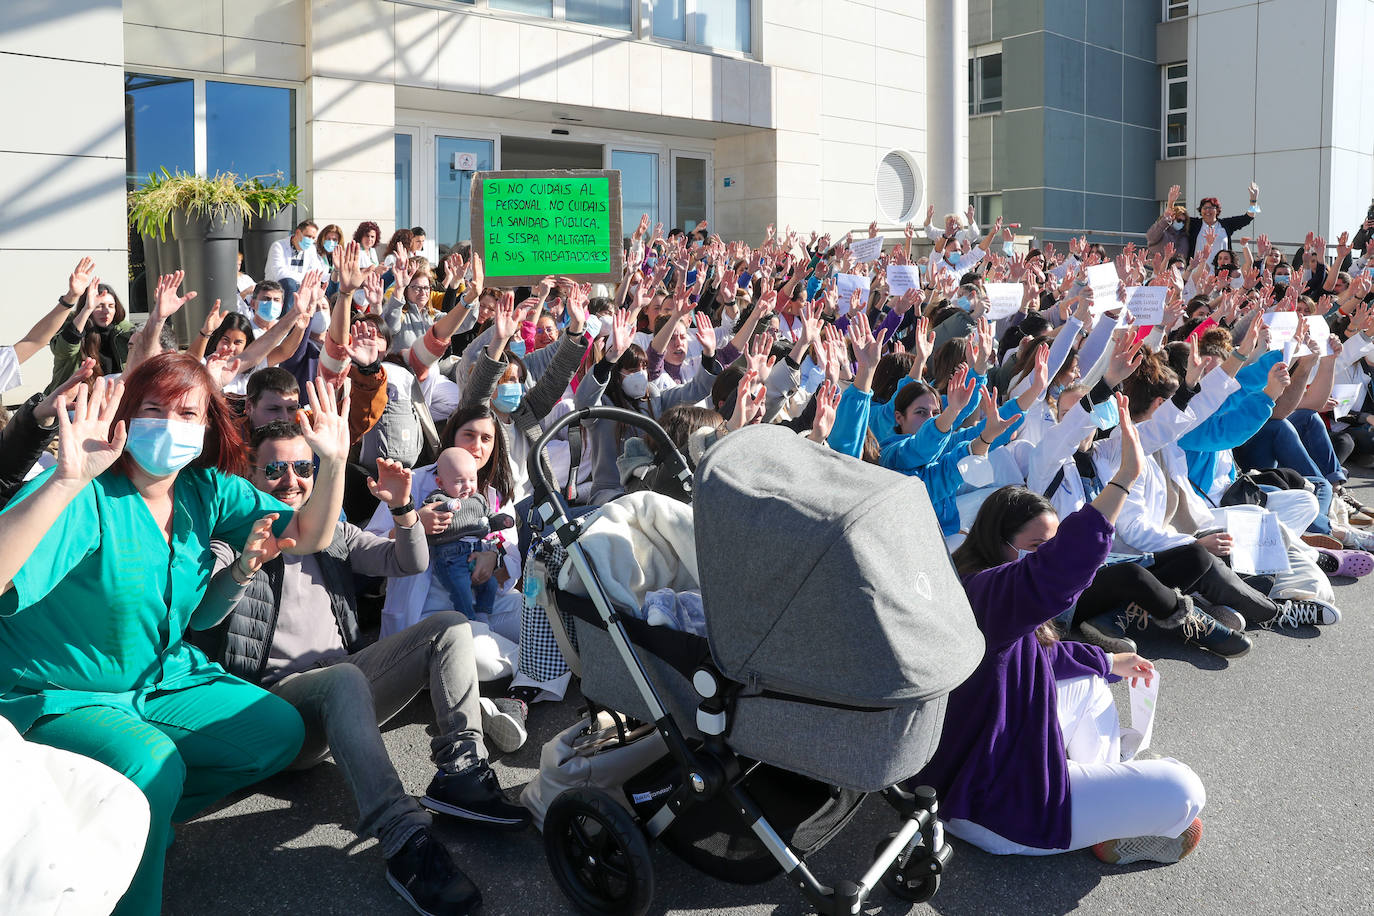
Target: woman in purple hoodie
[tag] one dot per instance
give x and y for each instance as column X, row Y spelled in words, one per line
column 1030, row 759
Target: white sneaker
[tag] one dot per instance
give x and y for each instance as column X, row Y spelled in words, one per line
column 504, row 728
column 1294, row 612
column 1355, row 539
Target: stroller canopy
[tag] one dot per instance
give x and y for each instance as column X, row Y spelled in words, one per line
column 825, row 577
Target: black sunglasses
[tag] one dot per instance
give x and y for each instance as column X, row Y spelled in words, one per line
column 303, row 469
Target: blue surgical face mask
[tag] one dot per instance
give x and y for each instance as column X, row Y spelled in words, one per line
column 1106, row 415
column 1009, row 248
column 163, row 447
column 307, row 243
column 1022, row 554
column 329, row 245
column 269, row 309
column 517, row 346
column 593, row 325
column 811, row 375
column 507, row 396
column 1055, row 391
column 1178, row 225
column 963, row 302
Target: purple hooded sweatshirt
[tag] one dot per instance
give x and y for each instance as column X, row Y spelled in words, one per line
column 1001, row 761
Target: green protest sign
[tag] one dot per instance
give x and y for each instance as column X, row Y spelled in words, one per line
column 528, row 225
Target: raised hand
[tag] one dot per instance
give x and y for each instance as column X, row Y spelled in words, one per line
column 212, row 320
column 392, row 483
column 350, row 273
column 401, row 271
column 45, row 411
column 827, row 399
column 960, row 390
column 166, row 299
column 222, row 366
column 504, row 323
column 261, row 547
column 1127, row 355
column 622, row 334
column 455, row 268
column 1132, row 455
column 80, row 280
column 326, row 427
column 706, row 335
column 86, row 445
column 373, row 290
column 364, row 343
column 759, row 358
column 994, row 424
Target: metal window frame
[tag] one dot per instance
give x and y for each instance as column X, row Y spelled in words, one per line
column 1166, row 81
column 976, row 99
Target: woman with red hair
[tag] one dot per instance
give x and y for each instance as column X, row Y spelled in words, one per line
column 106, row 557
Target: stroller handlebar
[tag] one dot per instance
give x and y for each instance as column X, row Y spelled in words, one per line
column 665, row 452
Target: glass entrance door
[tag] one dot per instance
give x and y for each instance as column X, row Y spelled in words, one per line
column 455, row 159
column 691, row 189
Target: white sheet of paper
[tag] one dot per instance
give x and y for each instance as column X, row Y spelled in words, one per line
column 1104, row 281
column 866, row 249
column 1282, row 327
column 1146, row 304
column 1092, row 356
column 1348, row 398
column 1144, row 701
column 1257, row 546
column 845, row 284
column 902, row 277
column 1004, row 299
column 1321, row 333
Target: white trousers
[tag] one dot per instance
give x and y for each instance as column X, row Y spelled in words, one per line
column 1110, row 799
column 495, row 637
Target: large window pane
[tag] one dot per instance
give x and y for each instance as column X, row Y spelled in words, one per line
column 531, row 7
column 723, row 24
column 159, row 125
column 990, row 83
column 689, row 191
column 638, row 186
column 612, row 14
column 404, row 165
column 453, row 186
column 670, row 19
column 250, row 130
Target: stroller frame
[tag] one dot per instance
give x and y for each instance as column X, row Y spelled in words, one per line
column 909, row 863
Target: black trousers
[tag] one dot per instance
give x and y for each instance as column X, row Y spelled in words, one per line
column 1188, row 568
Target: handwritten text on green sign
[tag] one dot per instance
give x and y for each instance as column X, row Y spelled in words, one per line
column 547, row 226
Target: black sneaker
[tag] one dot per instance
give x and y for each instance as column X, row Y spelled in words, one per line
column 474, row 795
column 1201, row 629
column 426, row 878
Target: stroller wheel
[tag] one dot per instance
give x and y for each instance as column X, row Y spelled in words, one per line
column 598, row 854
column 908, row 877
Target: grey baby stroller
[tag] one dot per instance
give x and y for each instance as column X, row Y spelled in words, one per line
column 824, row 675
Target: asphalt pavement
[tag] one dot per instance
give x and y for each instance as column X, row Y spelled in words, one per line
column 1281, row 738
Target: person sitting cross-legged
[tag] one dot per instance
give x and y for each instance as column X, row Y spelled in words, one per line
column 291, row 625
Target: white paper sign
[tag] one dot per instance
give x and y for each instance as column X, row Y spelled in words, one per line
column 1004, row 299
column 1282, row 327
column 1104, row 281
column 1146, row 303
column 1144, row 701
column 1320, row 332
column 1348, row 399
column 1257, row 546
column 902, row 277
column 845, row 285
column 866, row 249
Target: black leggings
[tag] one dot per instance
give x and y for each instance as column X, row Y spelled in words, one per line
column 1150, row 587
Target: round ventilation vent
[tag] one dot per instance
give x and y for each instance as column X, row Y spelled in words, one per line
column 898, row 186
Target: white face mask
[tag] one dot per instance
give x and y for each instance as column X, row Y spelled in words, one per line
column 319, row 322
column 635, row 384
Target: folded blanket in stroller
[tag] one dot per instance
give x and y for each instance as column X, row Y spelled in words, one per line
column 637, row 544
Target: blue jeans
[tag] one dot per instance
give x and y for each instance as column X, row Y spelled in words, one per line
column 1299, row 442
column 451, row 565
column 1315, row 438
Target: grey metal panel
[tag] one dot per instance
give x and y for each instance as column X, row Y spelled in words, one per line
column 1170, row 172
column 1102, row 213
column 1028, row 204
column 1063, row 209
column 980, row 153
column 1067, row 17
column 1024, row 140
column 1138, row 28
column 1103, row 85
column 1014, row 17
column 1023, row 71
column 1102, row 156
column 1004, row 146
column 1104, row 22
column 1171, row 42
column 1064, row 142
column 980, row 22
column 1140, row 92
column 1137, row 215
column 1139, row 150
column 1064, row 73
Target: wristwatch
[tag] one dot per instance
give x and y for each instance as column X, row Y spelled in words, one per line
column 398, row 511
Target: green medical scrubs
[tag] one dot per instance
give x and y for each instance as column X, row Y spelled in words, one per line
column 92, row 658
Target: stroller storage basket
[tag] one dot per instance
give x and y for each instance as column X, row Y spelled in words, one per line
column 712, row 838
column 798, row 734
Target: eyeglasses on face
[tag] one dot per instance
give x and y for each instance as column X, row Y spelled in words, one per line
column 273, row 470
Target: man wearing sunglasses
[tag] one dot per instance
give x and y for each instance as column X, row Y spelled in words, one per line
column 293, row 628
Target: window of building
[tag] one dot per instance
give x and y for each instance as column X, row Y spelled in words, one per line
column 159, row 125
column 638, row 186
column 985, row 84
column 611, row 14
column 986, row 209
column 1175, row 98
column 208, row 126
column 723, row 25
column 456, row 158
column 1175, row 9
column 405, row 163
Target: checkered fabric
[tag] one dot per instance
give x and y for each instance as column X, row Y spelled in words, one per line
column 540, row 658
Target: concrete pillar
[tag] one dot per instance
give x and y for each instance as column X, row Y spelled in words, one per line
column 947, row 105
